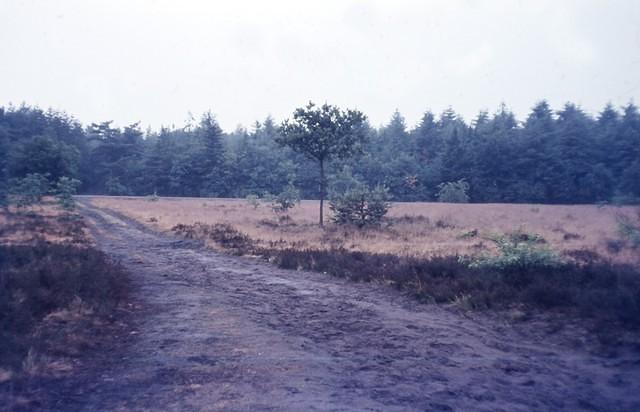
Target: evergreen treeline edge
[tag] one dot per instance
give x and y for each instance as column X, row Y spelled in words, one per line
column 562, row 157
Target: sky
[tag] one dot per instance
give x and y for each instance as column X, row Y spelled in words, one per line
column 159, row 62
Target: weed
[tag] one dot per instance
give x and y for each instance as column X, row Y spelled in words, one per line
column 571, row 236
column 445, row 223
column 469, row 235
column 224, row 235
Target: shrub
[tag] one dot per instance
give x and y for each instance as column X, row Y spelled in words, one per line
column 115, row 188
column 153, row 197
column 360, row 206
column 253, row 201
column 30, row 189
column 4, row 201
column 518, row 252
column 285, row 200
column 629, row 230
column 39, row 279
column 222, row 234
column 453, row 192
column 65, row 189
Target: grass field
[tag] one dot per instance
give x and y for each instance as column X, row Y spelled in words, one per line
column 411, row 229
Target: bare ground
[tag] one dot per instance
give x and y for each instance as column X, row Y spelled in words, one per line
column 215, row 332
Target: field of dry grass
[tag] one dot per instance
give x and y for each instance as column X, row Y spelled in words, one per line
column 42, row 223
column 411, row 229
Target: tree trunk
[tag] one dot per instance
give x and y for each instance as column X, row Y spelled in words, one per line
column 321, row 192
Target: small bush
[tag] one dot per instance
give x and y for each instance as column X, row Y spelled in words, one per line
column 360, row 206
column 30, row 189
column 115, row 188
column 253, row 201
column 285, row 200
column 153, row 197
column 224, row 235
column 629, row 231
column 453, row 192
column 469, row 234
column 65, row 188
column 518, row 251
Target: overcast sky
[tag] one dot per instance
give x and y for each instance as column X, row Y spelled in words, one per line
column 156, row 61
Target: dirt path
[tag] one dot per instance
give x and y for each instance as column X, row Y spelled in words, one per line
column 215, row 332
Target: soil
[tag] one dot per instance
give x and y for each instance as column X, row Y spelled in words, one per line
column 213, row 332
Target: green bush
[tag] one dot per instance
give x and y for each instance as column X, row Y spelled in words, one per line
column 115, row 188
column 153, row 197
column 65, row 188
column 30, row 189
column 360, row 206
column 518, row 251
column 629, row 230
column 285, row 200
column 453, row 192
column 253, row 201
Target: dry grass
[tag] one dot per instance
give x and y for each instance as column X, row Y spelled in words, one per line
column 42, row 223
column 411, row 229
column 55, row 289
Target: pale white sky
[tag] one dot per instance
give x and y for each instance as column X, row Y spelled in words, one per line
column 155, row 61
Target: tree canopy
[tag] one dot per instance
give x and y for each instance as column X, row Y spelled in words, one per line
column 324, row 133
column 551, row 156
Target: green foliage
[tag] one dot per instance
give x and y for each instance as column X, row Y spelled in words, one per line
column 30, row 189
column 153, row 197
column 253, row 201
column 65, row 188
column 518, row 251
column 115, row 188
column 324, row 133
column 360, row 206
column 285, row 200
column 453, row 192
column 44, row 155
column 4, row 199
column 587, row 159
column 629, row 230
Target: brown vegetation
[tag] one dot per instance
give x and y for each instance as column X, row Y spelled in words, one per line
column 411, row 229
column 55, row 293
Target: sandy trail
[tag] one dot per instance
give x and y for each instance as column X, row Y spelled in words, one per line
column 216, row 332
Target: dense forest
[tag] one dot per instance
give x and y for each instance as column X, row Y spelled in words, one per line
column 565, row 156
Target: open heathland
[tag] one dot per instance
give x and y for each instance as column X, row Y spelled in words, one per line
column 569, row 258
column 411, row 229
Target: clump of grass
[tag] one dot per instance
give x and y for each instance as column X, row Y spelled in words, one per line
column 224, row 235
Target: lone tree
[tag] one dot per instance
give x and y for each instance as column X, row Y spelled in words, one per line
column 323, row 133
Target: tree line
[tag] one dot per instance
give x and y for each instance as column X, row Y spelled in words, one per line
column 564, row 156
